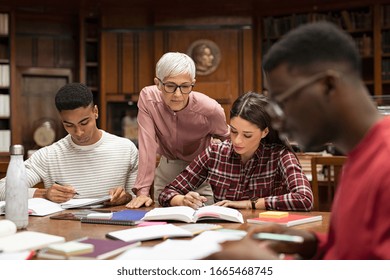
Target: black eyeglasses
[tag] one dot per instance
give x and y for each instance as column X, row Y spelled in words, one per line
column 172, row 87
column 273, row 108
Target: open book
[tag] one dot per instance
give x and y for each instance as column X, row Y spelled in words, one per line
column 188, row 215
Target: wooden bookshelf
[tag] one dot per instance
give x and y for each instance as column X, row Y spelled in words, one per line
column 357, row 21
column 5, row 83
column 89, row 53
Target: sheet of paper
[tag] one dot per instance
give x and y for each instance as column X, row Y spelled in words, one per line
column 149, row 233
column 38, row 207
column 171, row 250
column 81, row 202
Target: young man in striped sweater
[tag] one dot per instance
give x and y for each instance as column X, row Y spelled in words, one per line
column 88, row 161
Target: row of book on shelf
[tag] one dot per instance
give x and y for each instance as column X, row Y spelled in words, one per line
column 4, row 105
column 4, row 75
column 386, row 69
column 5, row 140
column 4, row 30
column 277, row 26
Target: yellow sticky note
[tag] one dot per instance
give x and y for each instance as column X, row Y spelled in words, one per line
column 273, row 214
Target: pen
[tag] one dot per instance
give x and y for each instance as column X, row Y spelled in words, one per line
column 58, row 183
column 278, row 237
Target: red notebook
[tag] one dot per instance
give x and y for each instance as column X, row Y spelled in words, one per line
column 290, row 220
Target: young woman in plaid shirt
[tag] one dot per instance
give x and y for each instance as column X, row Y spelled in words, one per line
column 252, row 169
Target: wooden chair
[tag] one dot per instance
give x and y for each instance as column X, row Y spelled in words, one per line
column 331, row 169
column 3, row 173
column 3, row 169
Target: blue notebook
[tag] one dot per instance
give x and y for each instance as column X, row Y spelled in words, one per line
column 123, row 218
column 129, row 215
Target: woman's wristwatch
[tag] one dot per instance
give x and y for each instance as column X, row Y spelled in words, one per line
column 253, row 202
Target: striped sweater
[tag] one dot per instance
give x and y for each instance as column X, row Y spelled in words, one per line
column 92, row 170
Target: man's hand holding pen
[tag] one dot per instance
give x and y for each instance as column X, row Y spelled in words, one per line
column 60, row 193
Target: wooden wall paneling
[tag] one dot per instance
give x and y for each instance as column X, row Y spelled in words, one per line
column 160, row 42
column 128, row 63
column 65, row 53
column 146, row 60
column 24, row 51
column 35, row 91
column 227, row 82
column 138, row 64
column 108, row 72
column 110, row 45
column 45, row 52
column 258, row 46
column 82, row 48
column 377, row 50
column 127, row 66
column 247, row 60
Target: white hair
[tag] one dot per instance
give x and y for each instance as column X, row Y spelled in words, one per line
column 172, row 64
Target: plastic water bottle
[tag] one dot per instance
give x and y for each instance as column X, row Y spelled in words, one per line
column 16, row 195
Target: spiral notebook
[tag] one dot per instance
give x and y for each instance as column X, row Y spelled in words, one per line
column 123, row 218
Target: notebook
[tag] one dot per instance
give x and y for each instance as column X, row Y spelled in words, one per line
column 124, row 218
column 289, row 221
column 189, row 215
column 103, row 249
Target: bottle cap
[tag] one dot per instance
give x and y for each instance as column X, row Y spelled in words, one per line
column 16, row 150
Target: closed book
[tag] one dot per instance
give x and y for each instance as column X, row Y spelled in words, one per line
column 103, row 249
column 189, row 215
column 290, row 220
column 123, row 218
column 71, row 248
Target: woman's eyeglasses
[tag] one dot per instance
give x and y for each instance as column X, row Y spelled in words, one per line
column 172, row 87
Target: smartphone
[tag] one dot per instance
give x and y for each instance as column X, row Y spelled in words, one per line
column 278, row 237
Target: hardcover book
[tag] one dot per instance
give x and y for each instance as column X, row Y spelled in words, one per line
column 189, row 215
column 289, row 221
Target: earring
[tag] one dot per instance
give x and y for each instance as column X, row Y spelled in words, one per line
column 96, row 116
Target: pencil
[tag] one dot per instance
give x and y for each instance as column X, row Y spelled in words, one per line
column 58, row 183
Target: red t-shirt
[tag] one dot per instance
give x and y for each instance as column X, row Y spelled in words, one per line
column 360, row 221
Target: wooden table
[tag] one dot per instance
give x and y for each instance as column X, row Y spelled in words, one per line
column 74, row 229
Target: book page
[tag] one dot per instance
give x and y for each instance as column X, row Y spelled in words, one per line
column 43, row 207
column 38, row 207
column 179, row 213
column 219, row 212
